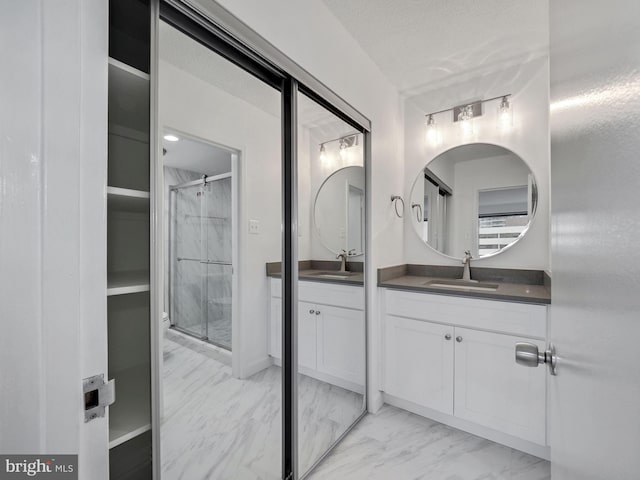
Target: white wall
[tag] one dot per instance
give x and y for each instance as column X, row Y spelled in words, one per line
column 529, row 139
column 53, row 158
column 310, row 35
column 189, row 104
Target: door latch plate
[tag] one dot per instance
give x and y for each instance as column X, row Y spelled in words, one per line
column 98, row 395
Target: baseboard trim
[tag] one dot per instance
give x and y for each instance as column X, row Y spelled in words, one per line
column 324, row 377
column 525, row 446
column 256, row 366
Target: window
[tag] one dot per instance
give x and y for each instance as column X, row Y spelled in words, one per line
column 502, row 217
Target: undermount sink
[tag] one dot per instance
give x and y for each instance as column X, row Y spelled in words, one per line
column 463, row 285
column 340, row 275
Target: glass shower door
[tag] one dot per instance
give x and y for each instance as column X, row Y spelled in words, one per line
column 188, row 296
column 217, row 225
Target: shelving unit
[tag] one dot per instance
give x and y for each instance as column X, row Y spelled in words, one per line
column 131, row 412
column 128, row 240
column 127, row 200
column 123, row 283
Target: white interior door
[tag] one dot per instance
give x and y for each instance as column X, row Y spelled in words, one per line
column 595, row 311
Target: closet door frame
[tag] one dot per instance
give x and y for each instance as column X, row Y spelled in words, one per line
column 216, row 28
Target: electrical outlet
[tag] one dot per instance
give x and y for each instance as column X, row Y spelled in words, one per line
column 254, row 227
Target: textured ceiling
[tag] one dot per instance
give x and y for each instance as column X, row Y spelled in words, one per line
column 419, row 43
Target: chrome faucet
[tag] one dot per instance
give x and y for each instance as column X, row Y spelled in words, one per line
column 466, row 261
column 343, row 256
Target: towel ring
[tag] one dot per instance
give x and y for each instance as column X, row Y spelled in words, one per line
column 419, row 215
column 394, row 199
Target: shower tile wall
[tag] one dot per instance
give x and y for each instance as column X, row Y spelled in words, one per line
column 172, row 176
column 218, row 225
column 188, row 271
column 193, row 224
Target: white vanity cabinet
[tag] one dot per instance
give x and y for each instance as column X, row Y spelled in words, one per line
column 492, row 390
column 331, row 343
column 419, row 362
column 453, row 359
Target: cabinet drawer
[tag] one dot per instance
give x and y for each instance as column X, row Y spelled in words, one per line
column 506, row 317
column 347, row 296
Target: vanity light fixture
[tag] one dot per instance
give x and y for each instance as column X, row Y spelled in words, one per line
column 465, row 115
column 505, row 114
column 346, row 142
column 171, row 138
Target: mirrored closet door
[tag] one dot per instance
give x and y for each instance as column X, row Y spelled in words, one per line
column 331, row 286
column 221, row 135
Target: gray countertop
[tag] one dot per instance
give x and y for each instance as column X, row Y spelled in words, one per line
column 525, row 286
column 308, row 270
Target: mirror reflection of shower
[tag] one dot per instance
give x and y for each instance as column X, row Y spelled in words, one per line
column 199, row 251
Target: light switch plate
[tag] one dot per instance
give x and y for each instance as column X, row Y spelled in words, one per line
column 254, row 227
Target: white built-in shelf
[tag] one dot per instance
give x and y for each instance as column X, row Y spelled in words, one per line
column 125, row 199
column 123, row 283
column 128, row 68
column 129, row 134
column 128, row 101
column 130, row 415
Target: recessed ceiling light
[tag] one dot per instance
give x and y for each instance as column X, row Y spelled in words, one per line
column 171, row 138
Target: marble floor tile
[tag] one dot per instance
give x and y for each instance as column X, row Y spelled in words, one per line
column 395, row 444
column 218, row 427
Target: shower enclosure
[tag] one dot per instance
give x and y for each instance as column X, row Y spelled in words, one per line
column 200, row 218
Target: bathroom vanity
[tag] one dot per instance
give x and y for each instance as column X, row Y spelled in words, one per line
column 331, row 325
column 448, row 352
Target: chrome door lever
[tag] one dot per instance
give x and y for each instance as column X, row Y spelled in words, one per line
column 527, row 354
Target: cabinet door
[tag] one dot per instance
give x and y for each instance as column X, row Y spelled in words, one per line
column 492, row 390
column 341, row 343
column 275, row 328
column 419, row 362
column 307, row 335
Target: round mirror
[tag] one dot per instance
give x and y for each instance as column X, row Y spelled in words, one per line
column 478, row 197
column 338, row 212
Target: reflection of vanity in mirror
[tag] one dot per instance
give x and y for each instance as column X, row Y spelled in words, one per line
column 477, row 197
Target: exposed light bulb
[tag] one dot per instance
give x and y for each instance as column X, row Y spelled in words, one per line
column 433, row 138
column 323, row 154
column 171, row 138
column 465, row 118
column 343, row 150
column 505, row 114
